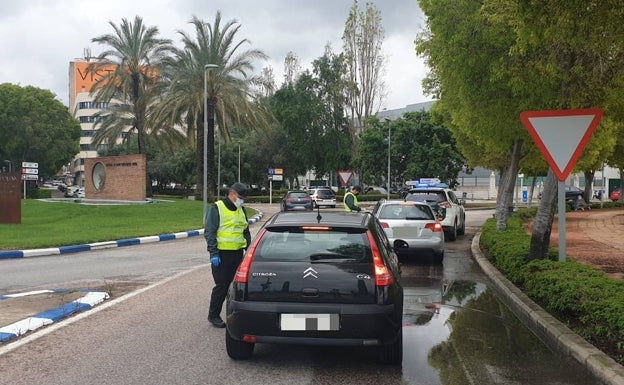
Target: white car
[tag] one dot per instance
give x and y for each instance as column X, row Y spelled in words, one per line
column 324, row 196
column 445, row 203
column 412, row 228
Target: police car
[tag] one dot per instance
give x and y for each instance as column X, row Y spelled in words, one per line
column 445, row 204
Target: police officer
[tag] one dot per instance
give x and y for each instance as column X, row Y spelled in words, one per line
column 227, row 236
column 350, row 199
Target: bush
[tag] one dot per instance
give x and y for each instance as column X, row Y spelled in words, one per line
column 586, row 299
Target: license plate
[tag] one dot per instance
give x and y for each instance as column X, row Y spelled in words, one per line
column 309, row 322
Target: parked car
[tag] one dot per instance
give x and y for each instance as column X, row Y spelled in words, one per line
column 324, row 196
column 615, row 195
column 412, row 228
column 297, row 200
column 446, row 206
column 376, row 190
column 572, row 193
column 71, row 191
column 80, row 193
column 309, row 278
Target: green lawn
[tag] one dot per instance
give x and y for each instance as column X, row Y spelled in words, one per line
column 53, row 224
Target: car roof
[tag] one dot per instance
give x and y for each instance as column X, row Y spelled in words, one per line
column 313, row 218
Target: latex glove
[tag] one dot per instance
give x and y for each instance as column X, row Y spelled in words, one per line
column 215, row 260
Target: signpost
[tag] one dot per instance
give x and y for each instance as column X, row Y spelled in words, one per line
column 274, row 174
column 30, row 171
column 561, row 136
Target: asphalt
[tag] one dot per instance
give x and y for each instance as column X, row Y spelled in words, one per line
column 554, row 333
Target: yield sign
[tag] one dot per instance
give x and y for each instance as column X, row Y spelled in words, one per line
column 345, row 177
column 561, row 135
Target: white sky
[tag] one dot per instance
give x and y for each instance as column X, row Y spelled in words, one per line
column 41, row 37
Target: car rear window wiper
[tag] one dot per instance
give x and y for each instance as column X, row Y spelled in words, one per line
column 330, row 256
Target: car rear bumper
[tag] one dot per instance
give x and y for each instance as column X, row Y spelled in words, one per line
column 359, row 325
column 434, row 245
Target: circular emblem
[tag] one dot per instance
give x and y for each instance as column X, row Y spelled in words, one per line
column 99, row 176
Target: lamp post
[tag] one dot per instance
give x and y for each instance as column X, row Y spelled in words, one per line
column 388, row 123
column 207, row 68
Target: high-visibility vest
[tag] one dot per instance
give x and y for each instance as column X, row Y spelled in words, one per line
column 231, row 227
column 344, row 201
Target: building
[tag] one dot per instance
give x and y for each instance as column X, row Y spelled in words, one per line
column 83, row 107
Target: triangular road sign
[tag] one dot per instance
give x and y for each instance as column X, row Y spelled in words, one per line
column 561, row 135
column 345, row 177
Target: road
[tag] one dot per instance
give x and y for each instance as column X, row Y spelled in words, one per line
column 455, row 329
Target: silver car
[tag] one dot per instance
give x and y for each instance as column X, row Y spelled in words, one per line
column 412, row 228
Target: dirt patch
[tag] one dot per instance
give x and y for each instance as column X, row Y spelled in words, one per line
column 593, row 237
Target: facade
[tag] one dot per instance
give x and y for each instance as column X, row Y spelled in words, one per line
column 83, row 108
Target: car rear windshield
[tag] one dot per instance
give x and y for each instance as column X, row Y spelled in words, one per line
column 406, row 211
column 314, row 246
column 299, row 195
column 325, row 194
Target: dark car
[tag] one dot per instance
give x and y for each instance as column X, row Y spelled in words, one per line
column 572, row 193
column 312, row 279
column 297, row 200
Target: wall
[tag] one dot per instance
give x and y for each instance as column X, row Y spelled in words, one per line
column 116, row 177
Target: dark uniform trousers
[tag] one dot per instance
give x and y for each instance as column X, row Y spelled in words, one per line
column 223, row 276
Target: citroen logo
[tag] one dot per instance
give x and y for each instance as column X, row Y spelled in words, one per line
column 310, row 272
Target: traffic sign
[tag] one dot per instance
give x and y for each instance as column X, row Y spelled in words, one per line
column 30, row 164
column 30, row 177
column 345, row 177
column 30, row 171
column 561, row 135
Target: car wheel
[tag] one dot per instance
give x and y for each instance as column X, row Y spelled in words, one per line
column 452, row 233
column 392, row 354
column 462, row 229
column 238, row 350
column 438, row 257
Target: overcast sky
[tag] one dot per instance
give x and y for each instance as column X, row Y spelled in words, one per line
column 41, row 37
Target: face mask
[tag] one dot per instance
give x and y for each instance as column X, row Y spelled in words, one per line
column 239, row 202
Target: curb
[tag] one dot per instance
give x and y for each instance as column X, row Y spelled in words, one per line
column 90, row 299
column 8, row 254
column 549, row 329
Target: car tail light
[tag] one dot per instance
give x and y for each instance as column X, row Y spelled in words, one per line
column 383, row 275
column 242, row 273
column 385, row 225
column 250, row 338
column 435, row 227
column 445, row 204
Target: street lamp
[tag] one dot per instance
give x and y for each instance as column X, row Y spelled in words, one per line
column 388, row 124
column 207, row 68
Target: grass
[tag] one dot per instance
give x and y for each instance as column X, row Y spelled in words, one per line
column 54, row 224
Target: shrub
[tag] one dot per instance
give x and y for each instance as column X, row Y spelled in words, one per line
column 585, row 299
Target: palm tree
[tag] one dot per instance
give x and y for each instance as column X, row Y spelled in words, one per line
column 230, row 89
column 132, row 66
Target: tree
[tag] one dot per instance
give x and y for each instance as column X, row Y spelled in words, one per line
column 420, row 148
column 36, row 127
column 363, row 38
column 136, row 55
column 231, row 98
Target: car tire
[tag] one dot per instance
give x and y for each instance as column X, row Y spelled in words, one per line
column 238, row 350
column 392, row 354
column 462, row 229
column 438, row 258
column 451, row 234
